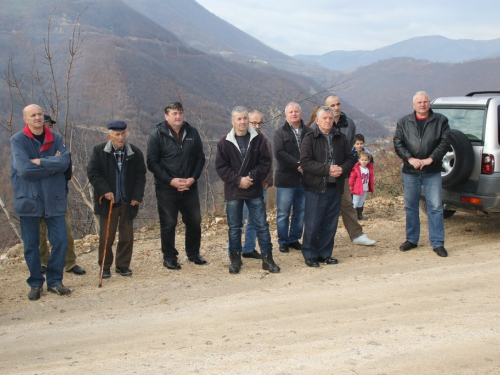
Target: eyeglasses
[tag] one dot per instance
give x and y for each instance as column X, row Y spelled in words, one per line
column 256, row 123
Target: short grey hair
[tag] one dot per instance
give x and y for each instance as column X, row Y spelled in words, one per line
column 293, row 103
column 255, row 112
column 420, row 93
column 238, row 109
column 323, row 108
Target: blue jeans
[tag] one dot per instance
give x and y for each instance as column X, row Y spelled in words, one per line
column 321, row 220
column 250, row 233
column 258, row 217
column 431, row 182
column 289, row 232
column 58, row 237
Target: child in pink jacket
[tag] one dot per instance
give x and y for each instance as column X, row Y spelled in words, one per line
column 361, row 181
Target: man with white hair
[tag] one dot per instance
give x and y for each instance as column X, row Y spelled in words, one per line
column 288, row 178
column 117, row 172
column 421, row 140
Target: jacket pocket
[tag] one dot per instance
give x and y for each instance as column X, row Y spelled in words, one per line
column 25, row 202
column 60, row 201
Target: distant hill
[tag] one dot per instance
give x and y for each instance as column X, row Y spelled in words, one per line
column 384, row 90
column 433, row 48
column 203, row 30
column 131, row 66
column 130, row 63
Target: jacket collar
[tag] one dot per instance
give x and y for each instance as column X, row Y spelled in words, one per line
column 288, row 127
column 162, row 126
column 231, row 136
column 128, row 150
column 317, row 132
column 49, row 137
column 430, row 116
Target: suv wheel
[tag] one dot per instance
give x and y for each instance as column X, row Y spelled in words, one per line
column 458, row 163
column 423, row 208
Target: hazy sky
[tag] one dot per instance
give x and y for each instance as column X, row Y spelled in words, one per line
column 319, row 26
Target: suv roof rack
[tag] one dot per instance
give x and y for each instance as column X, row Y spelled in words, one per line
column 482, row 92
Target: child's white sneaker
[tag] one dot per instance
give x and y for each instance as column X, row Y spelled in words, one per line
column 363, row 240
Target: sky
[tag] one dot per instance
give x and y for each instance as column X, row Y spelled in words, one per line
column 315, row 27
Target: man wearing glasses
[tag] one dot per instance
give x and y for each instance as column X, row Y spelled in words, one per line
column 288, row 178
column 256, row 119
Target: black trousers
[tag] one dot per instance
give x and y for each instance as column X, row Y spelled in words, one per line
column 170, row 203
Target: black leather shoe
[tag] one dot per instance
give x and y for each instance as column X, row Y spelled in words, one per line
column 59, row 289
column 312, row 262
column 77, row 270
column 43, row 270
column 296, row 245
column 330, row 260
column 197, row 259
column 407, row 245
column 441, row 251
column 284, row 248
column 106, row 273
column 172, row 264
column 253, row 254
column 124, row 271
column 34, row 293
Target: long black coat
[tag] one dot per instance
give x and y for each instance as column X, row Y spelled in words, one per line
column 101, row 172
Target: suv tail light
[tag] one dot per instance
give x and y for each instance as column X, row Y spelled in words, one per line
column 487, row 164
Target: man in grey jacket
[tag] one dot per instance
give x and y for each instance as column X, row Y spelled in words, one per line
column 38, row 161
column 421, row 140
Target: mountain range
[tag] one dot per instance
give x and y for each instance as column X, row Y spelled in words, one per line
column 432, row 48
column 130, row 65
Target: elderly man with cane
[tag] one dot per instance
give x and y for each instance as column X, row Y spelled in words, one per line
column 117, row 172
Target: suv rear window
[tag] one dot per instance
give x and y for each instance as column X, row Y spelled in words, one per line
column 468, row 120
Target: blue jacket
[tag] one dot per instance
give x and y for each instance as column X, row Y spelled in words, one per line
column 39, row 191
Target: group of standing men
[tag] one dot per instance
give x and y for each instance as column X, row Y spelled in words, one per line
column 313, row 168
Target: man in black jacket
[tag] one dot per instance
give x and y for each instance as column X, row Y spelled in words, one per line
column 421, row 140
column 326, row 158
column 175, row 156
column 243, row 161
column 288, row 178
column 117, row 172
column 346, row 126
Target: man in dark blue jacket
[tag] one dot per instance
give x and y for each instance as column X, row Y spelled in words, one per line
column 175, row 156
column 38, row 161
column 421, row 140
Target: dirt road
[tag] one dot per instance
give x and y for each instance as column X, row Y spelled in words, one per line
column 380, row 311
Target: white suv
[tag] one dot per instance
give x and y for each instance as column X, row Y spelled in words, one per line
column 471, row 179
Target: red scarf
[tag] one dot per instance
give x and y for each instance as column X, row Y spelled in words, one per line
column 49, row 137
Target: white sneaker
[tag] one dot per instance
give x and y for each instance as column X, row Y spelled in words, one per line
column 363, row 240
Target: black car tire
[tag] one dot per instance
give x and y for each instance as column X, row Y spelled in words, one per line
column 458, row 163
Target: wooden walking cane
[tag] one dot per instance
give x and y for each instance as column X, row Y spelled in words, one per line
column 106, row 240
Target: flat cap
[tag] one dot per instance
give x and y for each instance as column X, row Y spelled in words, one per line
column 117, row 125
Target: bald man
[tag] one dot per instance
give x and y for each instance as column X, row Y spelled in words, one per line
column 39, row 160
